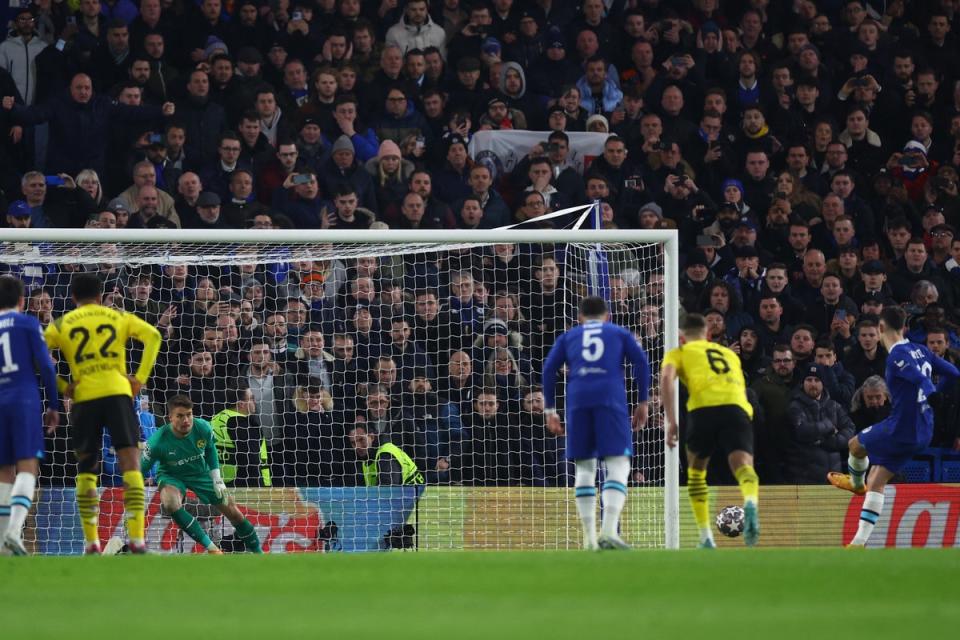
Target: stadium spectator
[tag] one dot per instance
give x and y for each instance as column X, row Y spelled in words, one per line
column 819, row 431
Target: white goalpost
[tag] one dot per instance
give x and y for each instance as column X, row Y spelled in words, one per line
column 330, row 343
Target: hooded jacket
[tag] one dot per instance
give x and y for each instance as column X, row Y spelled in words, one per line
column 408, row 36
column 524, row 100
column 19, row 57
column 612, row 95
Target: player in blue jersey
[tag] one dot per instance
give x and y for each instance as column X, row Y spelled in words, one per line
column 892, row 442
column 22, row 353
column 596, row 408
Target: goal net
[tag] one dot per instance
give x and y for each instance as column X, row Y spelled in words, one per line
column 310, row 350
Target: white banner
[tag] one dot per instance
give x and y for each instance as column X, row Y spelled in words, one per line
column 502, row 150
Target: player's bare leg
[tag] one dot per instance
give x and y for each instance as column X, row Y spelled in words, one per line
column 22, row 481
column 872, row 504
column 244, row 529
column 172, row 502
column 134, row 497
column 699, row 495
column 741, row 464
column 857, row 462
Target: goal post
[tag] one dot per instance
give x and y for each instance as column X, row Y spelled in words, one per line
column 436, row 323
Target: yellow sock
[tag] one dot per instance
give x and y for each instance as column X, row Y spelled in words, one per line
column 88, row 503
column 699, row 496
column 134, row 504
column 749, row 483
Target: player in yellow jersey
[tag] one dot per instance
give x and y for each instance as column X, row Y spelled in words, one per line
column 92, row 339
column 718, row 416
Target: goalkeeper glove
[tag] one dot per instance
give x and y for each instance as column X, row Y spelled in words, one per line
column 219, row 486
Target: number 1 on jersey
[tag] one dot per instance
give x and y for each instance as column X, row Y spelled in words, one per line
column 9, row 366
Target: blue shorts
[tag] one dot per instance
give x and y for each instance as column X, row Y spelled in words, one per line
column 21, row 432
column 598, row 432
column 886, row 451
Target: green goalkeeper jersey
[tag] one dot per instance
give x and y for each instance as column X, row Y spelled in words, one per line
column 192, row 456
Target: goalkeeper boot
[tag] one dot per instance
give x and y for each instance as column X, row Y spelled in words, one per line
column 845, row 482
column 707, row 543
column 14, row 545
column 612, row 543
column 751, row 524
column 92, row 549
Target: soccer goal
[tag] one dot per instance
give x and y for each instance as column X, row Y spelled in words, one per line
column 309, row 350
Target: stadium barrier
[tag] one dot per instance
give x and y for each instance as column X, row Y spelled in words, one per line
column 361, row 519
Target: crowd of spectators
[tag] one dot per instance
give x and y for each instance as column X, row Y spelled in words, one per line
column 807, row 153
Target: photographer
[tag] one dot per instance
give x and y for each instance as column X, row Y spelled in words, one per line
column 684, row 203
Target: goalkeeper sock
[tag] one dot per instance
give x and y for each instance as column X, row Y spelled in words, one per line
column 699, row 496
column 248, row 535
column 134, row 504
column 586, row 496
column 869, row 514
column 614, row 493
column 88, row 503
column 21, row 499
column 192, row 528
column 858, row 469
column 749, row 484
column 5, row 489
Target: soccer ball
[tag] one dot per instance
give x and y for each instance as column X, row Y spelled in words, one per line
column 730, row 521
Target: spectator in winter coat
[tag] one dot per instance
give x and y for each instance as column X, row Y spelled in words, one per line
column 870, row 403
column 18, row 53
column 79, row 123
column 819, row 431
column 773, row 393
column 838, row 382
column 342, row 166
column 416, row 30
column 204, row 120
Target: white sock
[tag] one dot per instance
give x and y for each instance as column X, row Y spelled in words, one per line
column 586, row 493
column 858, row 469
column 870, row 513
column 21, row 499
column 706, row 533
column 5, row 489
column 614, row 493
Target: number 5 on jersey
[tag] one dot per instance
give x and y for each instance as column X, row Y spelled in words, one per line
column 592, row 344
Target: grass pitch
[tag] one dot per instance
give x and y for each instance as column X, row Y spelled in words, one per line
column 653, row 594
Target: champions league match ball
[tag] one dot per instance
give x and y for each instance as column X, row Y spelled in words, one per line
column 730, row 521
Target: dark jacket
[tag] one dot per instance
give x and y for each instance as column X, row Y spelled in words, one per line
column 819, row 431
column 204, row 121
column 773, row 395
column 78, row 132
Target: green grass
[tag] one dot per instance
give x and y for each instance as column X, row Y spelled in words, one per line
column 654, row 594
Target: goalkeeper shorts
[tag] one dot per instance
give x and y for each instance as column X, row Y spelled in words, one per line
column 201, row 487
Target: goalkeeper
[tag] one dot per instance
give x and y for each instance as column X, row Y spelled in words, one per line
column 186, row 452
